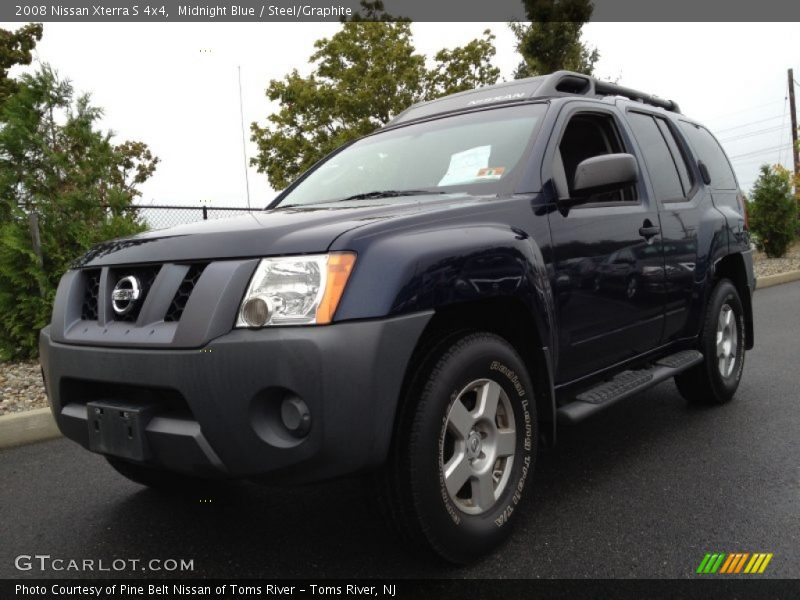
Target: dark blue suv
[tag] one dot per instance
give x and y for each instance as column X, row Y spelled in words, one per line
column 429, row 304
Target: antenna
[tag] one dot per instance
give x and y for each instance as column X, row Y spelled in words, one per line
column 244, row 141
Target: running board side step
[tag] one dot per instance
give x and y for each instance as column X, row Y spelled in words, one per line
column 625, row 384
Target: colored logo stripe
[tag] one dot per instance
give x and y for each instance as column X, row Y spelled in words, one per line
column 734, row 563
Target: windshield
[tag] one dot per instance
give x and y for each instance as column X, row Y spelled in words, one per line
column 475, row 153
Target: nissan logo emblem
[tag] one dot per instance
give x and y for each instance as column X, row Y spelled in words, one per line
column 125, row 295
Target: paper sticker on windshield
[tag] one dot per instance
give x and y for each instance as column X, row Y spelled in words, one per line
column 464, row 165
column 490, row 173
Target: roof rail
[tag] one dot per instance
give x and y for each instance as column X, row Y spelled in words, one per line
column 558, row 84
column 563, row 83
column 605, row 88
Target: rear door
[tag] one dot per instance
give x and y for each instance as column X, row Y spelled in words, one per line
column 607, row 252
column 674, row 188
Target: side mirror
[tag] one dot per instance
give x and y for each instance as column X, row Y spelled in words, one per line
column 605, row 173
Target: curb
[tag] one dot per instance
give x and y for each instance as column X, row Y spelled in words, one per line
column 27, row 427
column 770, row 280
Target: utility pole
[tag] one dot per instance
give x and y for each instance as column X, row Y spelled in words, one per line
column 244, row 140
column 793, row 110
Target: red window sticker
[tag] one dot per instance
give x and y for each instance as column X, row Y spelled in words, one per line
column 491, row 172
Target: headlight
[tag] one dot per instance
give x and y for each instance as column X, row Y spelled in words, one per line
column 296, row 290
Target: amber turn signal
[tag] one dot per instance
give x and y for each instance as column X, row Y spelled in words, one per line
column 340, row 265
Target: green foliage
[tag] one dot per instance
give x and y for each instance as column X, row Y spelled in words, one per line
column 62, row 176
column 552, row 39
column 372, row 10
column 15, row 49
column 772, row 210
column 363, row 76
column 463, row 68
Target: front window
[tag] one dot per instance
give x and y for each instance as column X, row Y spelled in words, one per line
column 475, row 153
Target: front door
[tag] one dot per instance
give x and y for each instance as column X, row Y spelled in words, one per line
column 609, row 266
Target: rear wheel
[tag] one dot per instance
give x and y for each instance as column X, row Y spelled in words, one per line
column 465, row 450
column 722, row 341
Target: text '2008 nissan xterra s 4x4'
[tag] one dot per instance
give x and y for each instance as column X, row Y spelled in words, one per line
column 429, row 302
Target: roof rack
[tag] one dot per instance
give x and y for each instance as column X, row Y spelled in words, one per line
column 560, row 83
column 605, row 88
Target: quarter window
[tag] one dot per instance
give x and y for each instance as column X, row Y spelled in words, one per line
column 710, row 152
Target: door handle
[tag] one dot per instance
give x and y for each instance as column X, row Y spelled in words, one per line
column 648, row 231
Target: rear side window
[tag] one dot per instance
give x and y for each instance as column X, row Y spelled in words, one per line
column 661, row 165
column 677, row 155
column 710, row 152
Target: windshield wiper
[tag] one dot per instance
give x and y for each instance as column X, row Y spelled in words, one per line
column 388, row 194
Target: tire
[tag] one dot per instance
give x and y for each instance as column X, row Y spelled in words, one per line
column 714, row 381
column 448, row 432
column 161, row 480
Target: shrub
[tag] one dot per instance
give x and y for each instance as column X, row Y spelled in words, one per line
column 773, row 211
column 62, row 177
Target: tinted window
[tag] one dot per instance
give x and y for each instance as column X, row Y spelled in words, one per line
column 677, row 156
column 709, row 151
column 588, row 135
column 660, row 164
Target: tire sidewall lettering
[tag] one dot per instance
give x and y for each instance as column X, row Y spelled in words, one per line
column 500, row 515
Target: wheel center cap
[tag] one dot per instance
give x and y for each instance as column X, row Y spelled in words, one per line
column 474, row 444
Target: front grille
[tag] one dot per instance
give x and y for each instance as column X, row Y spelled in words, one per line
column 185, row 290
column 90, row 293
column 146, row 277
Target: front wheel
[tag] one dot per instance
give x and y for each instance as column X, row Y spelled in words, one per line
column 722, row 342
column 465, row 450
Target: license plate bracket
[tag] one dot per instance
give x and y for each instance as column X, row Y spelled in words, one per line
column 118, row 428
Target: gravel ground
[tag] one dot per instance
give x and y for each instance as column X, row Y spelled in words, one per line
column 773, row 266
column 21, row 387
column 21, row 383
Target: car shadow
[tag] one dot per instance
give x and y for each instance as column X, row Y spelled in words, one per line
column 334, row 529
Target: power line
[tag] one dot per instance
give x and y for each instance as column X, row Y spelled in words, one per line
column 761, row 151
column 718, row 117
column 718, row 131
column 752, row 133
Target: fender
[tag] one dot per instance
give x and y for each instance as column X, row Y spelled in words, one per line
column 408, row 270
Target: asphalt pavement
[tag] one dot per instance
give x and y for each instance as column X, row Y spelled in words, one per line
column 644, row 490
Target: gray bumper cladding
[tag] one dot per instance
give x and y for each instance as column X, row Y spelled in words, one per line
column 214, row 411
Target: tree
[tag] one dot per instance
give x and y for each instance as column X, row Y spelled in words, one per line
column 463, row 68
column 64, row 186
column 15, row 49
column 552, row 39
column 363, row 76
column 773, row 214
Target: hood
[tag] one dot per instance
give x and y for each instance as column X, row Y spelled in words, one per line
column 281, row 231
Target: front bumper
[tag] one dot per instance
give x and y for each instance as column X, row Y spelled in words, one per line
column 215, row 406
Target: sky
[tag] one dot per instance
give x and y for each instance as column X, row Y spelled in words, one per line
column 175, row 86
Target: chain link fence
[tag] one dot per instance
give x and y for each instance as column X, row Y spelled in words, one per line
column 161, row 216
